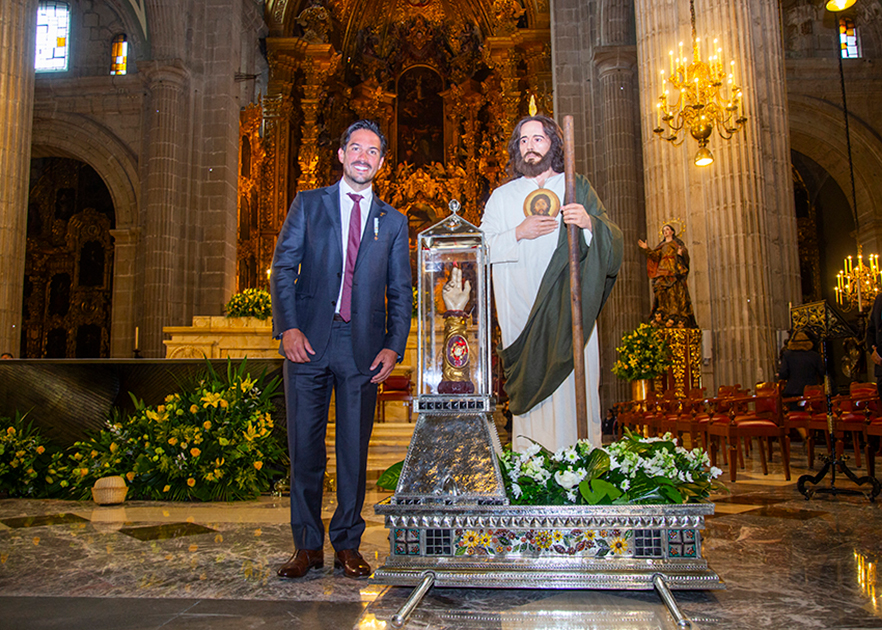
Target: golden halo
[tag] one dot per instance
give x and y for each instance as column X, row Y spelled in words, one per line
column 542, row 202
column 677, row 223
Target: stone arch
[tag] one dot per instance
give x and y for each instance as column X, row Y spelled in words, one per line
column 817, row 130
column 75, row 136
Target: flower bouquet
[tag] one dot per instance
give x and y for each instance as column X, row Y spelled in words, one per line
column 643, row 354
column 633, row 470
column 28, row 464
column 250, row 303
column 210, row 442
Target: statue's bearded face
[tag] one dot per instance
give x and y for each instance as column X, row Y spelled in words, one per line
column 534, row 154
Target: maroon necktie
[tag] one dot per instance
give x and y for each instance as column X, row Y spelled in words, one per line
column 351, row 254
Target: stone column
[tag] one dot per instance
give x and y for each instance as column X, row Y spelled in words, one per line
column 621, row 190
column 166, row 171
column 18, row 27
column 125, row 319
column 739, row 214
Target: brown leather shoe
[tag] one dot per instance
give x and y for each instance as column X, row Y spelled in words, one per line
column 352, row 563
column 301, row 562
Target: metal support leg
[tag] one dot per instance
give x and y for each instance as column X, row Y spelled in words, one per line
column 658, row 581
column 399, row 618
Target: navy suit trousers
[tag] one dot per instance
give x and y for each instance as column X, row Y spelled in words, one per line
column 308, row 389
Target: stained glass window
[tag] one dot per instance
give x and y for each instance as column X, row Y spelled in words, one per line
column 848, row 39
column 53, row 30
column 119, row 51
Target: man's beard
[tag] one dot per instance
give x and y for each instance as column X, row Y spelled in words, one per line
column 532, row 169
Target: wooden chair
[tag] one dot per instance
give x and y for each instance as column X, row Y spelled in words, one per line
column 687, row 422
column 850, row 415
column 811, row 402
column 641, row 416
column 395, row 388
column 759, row 416
column 855, row 412
column 766, row 420
column 717, row 409
column 669, row 409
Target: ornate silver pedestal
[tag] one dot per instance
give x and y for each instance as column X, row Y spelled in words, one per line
column 504, row 546
column 450, row 523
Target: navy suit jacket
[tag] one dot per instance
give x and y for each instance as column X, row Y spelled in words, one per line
column 308, row 269
column 874, row 331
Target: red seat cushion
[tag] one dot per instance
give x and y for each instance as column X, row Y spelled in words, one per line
column 396, row 383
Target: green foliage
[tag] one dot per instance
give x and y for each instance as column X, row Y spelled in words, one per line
column 389, row 479
column 644, row 354
column 29, row 466
column 250, row 303
column 631, row 471
column 212, row 442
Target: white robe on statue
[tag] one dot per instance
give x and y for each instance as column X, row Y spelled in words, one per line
column 518, row 268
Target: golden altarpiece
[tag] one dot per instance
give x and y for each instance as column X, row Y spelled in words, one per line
column 446, row 81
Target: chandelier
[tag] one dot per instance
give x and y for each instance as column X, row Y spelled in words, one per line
column 858, row 284
column 706, row 98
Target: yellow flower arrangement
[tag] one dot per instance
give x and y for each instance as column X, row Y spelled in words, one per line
column 227, row 463
column 250, row 303
column 643, row 354
column 27, row 466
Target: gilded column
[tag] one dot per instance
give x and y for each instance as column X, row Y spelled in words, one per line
column 739, row 214
column 318, row 64
column 504, row 59
column 274, row 186
column 166, row 173
column 537, row 57
column 18, row 27
column 273, row 201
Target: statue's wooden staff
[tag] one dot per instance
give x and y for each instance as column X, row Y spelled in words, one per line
column 575, row 283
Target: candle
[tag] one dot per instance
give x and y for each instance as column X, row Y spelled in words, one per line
column 136, row 337
column 671, row 57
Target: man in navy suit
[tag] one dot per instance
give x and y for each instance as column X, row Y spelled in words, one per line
column 342, row 302
column 874, row 340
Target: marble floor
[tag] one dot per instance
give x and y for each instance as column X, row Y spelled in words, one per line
column 786, row 563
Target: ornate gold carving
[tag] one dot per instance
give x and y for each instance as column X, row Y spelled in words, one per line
column 487, row 67
column 685, row 345
column 507, row 14
column 316, row 22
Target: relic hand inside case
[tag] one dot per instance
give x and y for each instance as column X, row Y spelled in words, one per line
column 455, row 372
